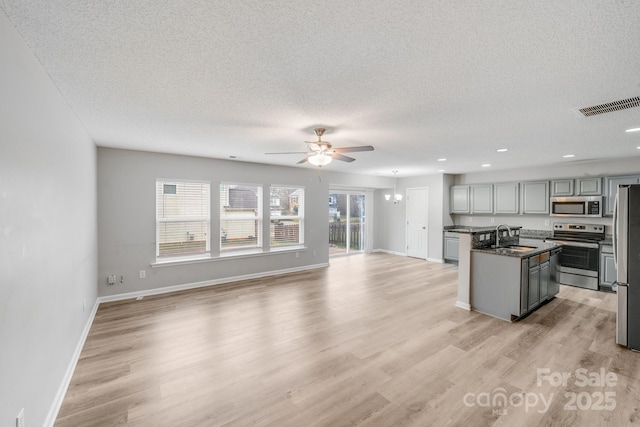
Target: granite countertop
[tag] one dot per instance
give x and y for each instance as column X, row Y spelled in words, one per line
column 536, row 249
column 473, row 230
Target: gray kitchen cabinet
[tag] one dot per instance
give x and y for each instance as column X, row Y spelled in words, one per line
column 562, row 187
column 533, row 289
column 545, row 274
column 505, row 200
column 608, row 273
column 482, row 199
column 451, row 246
column 589, row 186
column 612, row 189
column 554, row 279
column 459, row 202
column 535, row 197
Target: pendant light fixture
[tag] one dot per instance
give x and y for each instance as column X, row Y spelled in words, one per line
column 395, row 198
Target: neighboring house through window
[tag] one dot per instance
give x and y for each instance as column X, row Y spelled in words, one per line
column 182, row 218
column 287, row 216
column 240, row 216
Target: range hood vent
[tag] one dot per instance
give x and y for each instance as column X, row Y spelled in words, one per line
column 611, row 106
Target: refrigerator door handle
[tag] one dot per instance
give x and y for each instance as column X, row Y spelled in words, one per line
column 615, row 231
column 622, row 234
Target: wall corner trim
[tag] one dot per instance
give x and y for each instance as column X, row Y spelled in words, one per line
column 463, row 305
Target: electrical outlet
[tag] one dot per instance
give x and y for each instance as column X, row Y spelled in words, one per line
column 143, row 274
column 314, row 253
column 111, row 279
column 20, row 418
column 493, row 220
column 297, row 254
column 546, row 222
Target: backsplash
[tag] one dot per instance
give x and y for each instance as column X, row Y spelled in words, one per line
column 535, row 234
column 484, row 240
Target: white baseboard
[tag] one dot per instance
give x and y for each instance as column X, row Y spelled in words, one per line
column 66, row 380
column 463, row 305
column 390, row 252
column 186, row 286
column 439, row 261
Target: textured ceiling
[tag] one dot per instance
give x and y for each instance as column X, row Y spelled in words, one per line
column 419, row 80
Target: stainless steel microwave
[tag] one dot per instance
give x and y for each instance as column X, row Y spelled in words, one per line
column 586, row 206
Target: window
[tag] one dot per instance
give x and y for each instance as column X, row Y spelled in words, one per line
column 240, row 216
column 182, row 218
column 287, row 216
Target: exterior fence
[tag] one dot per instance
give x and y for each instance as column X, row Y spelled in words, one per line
column 338, row 234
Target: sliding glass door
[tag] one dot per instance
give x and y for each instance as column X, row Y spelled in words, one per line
column 346, row 222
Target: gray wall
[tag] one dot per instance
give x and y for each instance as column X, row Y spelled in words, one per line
column 126, row 206
column 392, row 218
column 48, row 247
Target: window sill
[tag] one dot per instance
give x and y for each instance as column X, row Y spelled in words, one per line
column 251, row 253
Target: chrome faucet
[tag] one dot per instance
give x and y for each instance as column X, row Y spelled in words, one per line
column 498, row 233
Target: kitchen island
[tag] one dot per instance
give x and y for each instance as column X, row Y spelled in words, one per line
column 498, row 276
column 511, row 282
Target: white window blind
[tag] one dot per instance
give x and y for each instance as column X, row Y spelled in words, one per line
column 286, row 226
column 240, row 216
column 182, row 218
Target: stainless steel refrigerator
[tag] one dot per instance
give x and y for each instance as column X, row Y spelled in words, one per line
column 626, row 234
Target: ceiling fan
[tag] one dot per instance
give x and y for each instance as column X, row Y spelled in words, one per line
column 321, row 153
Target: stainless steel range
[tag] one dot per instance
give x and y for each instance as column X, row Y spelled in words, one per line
column 580, row 254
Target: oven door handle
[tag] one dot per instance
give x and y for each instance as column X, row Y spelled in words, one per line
column 578, row 244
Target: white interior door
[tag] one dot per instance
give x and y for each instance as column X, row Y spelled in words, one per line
column 417, row 221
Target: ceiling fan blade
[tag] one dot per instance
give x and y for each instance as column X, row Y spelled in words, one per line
column 343, row 158
column 302, row 161
column 290, row 152
column 353, row 149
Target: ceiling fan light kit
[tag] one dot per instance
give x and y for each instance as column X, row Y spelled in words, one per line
column 319, row 159
column 321, row 153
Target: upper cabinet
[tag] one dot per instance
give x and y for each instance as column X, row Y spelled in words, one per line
column 612, row 189
column 589, row 186
column 459, row 202
column 471, row 199
column 505, row 199
column 535, row 197
column 482, row 199
column 562, row 187
column 576, row 187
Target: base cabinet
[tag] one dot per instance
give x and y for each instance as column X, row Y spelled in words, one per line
column 608, row 273
column 451, row 247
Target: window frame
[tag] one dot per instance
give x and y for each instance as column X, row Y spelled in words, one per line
column 259, row 218
column 207, row 219
column 299, row 216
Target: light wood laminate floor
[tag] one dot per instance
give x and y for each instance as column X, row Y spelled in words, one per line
column 373, row 340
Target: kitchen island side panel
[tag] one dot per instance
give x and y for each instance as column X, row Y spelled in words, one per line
column 495, row 286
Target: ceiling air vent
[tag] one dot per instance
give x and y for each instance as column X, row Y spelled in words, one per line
column 611, row 106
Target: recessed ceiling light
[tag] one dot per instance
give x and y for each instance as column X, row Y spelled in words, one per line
column 442, row 160
column 633, row 130
column 638, row 147
column 442, row 170
column 502, row 150
column 567, row 156
column 486, row 165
